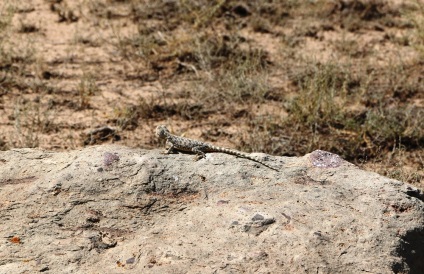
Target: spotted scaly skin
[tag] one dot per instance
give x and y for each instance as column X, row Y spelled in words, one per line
column 200, row 148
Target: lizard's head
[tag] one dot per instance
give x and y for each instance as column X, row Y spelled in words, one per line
column 161, row 131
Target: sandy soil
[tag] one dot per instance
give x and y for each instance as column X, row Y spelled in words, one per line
column 69, row 67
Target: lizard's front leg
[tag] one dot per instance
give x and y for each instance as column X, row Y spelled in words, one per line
column 199, row 150
column 171, row 148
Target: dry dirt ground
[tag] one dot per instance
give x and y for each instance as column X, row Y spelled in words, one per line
column 281, row 77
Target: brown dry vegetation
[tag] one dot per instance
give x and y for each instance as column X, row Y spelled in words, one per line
column 281, row 77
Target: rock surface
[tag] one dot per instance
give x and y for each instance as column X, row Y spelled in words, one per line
column 111, row 209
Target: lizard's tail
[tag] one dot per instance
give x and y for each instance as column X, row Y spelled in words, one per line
column 241, row 155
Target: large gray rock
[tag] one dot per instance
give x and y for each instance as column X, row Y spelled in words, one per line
column 110, row 209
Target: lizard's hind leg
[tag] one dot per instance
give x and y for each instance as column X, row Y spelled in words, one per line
column 199, row 150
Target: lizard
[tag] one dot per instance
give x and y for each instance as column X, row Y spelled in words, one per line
column 198, row 147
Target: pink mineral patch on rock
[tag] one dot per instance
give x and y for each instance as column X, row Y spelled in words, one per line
column 325, row 159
